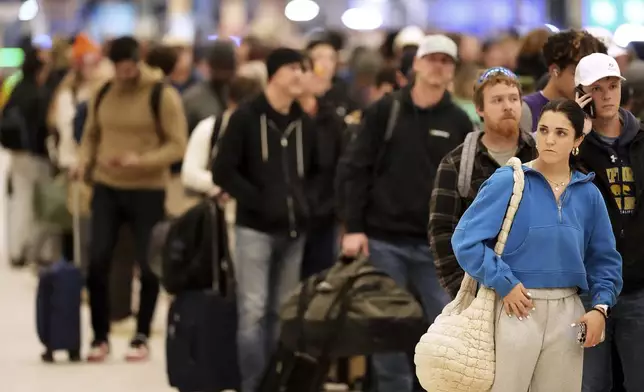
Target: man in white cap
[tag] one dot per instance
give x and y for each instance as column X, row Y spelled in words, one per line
column 613, row 150
column 387, row 184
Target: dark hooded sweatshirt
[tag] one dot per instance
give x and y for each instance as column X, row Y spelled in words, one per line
column 619, row 174
column 389, row 183
column 269, row 163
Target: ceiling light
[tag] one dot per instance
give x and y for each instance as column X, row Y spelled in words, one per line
column 301, row 10
column 362, row 18
column 28, row 10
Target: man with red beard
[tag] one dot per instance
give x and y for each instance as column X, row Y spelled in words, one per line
column 497, row 97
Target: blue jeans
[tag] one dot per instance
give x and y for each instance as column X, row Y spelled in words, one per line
column 267, row 269
column 624, row 330
column 411, row 265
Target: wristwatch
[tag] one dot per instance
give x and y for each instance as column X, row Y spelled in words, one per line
column 605, row 309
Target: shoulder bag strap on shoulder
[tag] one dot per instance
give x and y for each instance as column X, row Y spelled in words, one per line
column 468, row 155
column 155, row 105
column 216, row 135
column 513, row 205
column 393, row 117
column 101, row 94
column 97, row 124
column 394, row 112
column 526, row 118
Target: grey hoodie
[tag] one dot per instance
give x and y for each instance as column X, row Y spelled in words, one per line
column 630, row 127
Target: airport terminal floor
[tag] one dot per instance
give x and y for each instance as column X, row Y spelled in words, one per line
column 20, row 367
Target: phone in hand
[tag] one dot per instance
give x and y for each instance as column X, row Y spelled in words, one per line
column 581, row 335
column 590, row 107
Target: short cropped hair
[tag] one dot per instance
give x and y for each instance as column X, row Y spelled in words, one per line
column 125, row 48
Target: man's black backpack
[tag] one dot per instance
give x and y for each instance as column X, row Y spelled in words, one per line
column 82, row 109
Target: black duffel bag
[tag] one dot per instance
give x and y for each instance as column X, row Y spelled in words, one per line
column 351, row 309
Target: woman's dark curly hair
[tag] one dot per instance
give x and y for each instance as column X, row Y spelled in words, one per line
column 568, row 47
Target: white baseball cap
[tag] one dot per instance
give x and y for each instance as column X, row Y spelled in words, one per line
column 410, row 35
column 594, row 67
column 437, row 43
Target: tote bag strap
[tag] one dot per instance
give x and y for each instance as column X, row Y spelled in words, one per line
column 513, row 206
column 468, row 290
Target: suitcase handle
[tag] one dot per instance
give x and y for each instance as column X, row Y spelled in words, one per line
column 76, row 200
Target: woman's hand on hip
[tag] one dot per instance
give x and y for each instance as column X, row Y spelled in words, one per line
column 518, row 302
column 595, row 326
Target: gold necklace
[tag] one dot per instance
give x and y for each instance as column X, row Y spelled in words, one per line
column 557, row 185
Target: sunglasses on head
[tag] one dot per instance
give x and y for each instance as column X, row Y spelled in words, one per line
column 495, row 71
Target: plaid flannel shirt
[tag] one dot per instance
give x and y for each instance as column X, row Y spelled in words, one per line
column 447, row 206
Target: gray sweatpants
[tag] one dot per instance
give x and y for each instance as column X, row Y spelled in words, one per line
column 540, row 353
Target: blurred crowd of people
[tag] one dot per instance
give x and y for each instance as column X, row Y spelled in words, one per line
column 139, row 121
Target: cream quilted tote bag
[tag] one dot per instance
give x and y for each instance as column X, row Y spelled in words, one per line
column 457, row 352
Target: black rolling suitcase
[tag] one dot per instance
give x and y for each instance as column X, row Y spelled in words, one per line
column 201, row 342
column 58, row 304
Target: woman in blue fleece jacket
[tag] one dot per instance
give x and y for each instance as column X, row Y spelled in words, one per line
column 561, row 243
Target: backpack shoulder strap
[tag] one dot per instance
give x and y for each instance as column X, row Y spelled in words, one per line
column 155, row 99
column 526, row 118
column 216, row 134
column 393, row 117
column 101, row 94
column 97, row 102
column 394, row 112
column 466, row 167
column 155, row 105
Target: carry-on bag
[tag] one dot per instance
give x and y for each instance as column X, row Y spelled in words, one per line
column 201, row 343
column 349, row 310
column 291, row 371
column 58, row 308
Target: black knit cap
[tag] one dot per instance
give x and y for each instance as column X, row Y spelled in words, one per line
column 281, row 57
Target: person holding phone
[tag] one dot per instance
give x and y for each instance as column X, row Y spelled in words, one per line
column 614, row 150
column 561, row 53
column 560, row 244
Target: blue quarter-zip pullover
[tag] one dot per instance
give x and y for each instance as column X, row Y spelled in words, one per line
column 552, row 244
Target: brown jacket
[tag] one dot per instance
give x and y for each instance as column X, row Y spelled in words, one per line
column 125, row 124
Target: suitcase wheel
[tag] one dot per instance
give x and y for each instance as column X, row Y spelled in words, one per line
column 47, row 356
column 74, row 355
